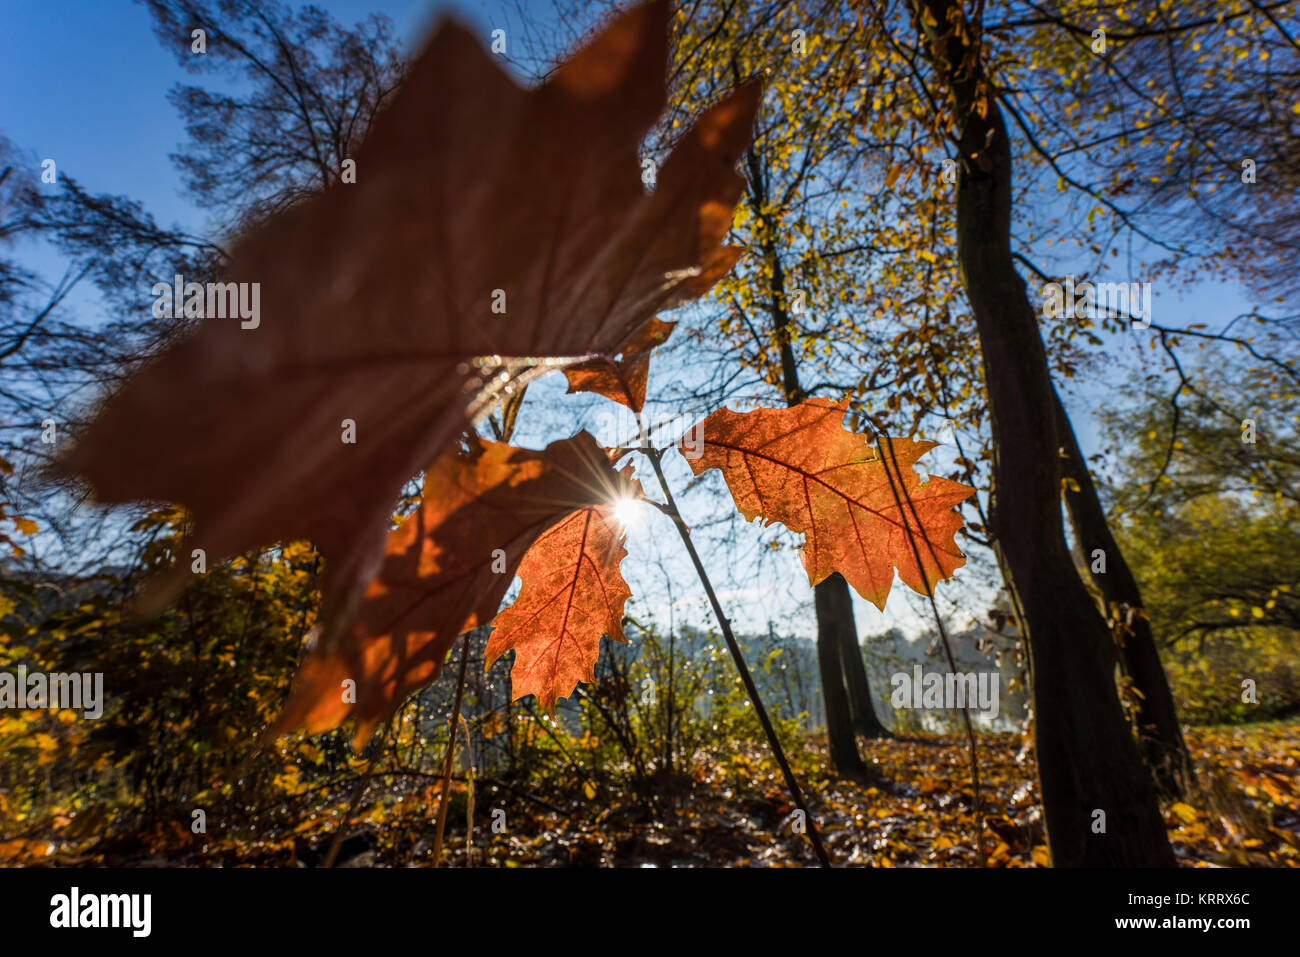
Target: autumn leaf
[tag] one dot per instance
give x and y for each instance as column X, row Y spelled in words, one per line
column 572, row 594
column 377, row 298
column 621, row 379
column 445, row 570
column 802, row 468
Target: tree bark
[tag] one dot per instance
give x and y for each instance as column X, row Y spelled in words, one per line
column 830, row 601
column 864, row 717
column 1160, row 737
column 1099, row 802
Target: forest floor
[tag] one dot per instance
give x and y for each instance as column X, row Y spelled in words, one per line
column 915, row 810
column 918, row 811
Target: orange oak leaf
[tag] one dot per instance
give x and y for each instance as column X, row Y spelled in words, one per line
column 800, row 467
column 622, row 379
column 572, row 594
column 445, row 570
column 379, row 314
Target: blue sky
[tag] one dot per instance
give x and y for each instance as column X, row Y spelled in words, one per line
column 87, row 86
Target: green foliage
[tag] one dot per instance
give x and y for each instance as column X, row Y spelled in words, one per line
column 1208, row 522
column 181, row 691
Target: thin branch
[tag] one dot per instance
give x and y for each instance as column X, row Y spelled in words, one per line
column 725, row 624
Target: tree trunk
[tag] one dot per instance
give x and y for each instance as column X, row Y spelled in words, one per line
column 864, row 717
column 830, row 603
column 1099, row 802
column 1160, row 738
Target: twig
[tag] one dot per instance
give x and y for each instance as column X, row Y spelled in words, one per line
column 451, row 750
column 791, row 784
column 469, row 794
column 890, row 461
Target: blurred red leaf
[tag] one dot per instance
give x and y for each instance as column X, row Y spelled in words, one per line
column 376, row 298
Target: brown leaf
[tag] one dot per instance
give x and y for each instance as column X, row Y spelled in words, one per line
column 623, row 379
column 572, row 594
column 802, row 468
column 375, row 297
column 445, row 570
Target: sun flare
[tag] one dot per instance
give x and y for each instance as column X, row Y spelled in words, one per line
column 628, row 512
